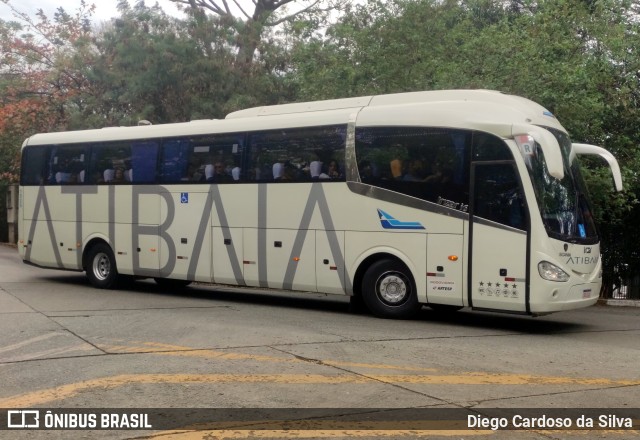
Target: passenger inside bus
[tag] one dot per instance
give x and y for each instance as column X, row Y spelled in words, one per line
column 278, row 171
column 217, row 173
column 118, row 176
column 315, row 169
column 440, row 173
column 396, row 168
column 195, row 172
column 63, row 177
column 333, row 170
column 415, row 172
column 109, row 175
column 366, row 170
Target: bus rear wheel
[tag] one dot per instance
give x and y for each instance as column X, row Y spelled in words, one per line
column 101, row 267
column 389, row 291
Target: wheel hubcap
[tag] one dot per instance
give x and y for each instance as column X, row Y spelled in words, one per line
column 393, row 288
column 101, row 266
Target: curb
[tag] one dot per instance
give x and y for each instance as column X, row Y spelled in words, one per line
column 620, row 302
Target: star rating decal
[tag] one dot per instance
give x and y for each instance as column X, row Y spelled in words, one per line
column 500, row 289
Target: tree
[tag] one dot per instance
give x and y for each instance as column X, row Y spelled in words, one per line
column 148, row 65
column 37, row 80
column 249, row 26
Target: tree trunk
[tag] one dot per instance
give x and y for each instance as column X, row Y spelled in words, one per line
column 247, row 43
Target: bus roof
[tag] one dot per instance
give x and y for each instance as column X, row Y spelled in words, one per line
column 193, row 128
column 486, row 110
column 493, row 105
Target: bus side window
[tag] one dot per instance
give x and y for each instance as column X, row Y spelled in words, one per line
column 489, row 147
column 144, row 156
column 427, row 163
column 109, row 163
column 67, row 164
column 296, row 154
column 174, row 161
column 36, row 158
column 498, row 196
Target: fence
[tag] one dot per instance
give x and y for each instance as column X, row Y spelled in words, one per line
column 629, row 288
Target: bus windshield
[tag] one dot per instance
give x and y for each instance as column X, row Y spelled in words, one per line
column 563, row 204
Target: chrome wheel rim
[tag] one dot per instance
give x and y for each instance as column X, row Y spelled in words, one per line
column 101, row 266
column 392, row 288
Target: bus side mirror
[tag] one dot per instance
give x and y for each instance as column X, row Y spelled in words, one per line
column 611, row 160
column 549, row 145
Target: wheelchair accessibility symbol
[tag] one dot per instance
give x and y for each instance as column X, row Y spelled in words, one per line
column 184, row 197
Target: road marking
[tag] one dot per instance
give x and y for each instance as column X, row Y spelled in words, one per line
column 309, row 434
column 45, row 396
column 7, row 356
column 347, row 433
column 49, row 353
column 30, row 341
column 178, row 350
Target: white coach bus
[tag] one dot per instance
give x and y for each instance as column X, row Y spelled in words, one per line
column 464, row 198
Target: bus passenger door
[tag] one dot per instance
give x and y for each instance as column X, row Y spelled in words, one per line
column 498, row 277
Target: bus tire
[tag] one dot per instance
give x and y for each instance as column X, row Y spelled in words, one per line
column 170, row 283
column 389, row 291
column 101, row 267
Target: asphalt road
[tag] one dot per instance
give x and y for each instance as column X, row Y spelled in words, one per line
column 64, row 344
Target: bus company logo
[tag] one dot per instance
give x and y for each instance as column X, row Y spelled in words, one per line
column 23, row 419
column 587, row 250
column 582, row 260
column 389, row 222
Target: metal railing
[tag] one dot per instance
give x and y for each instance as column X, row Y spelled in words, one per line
column 629, row 288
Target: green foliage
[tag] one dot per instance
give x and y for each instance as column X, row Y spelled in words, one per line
column 36, row 78
column 147, row 65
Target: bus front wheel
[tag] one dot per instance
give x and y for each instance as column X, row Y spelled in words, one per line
column 389, row 291
column 101, row 267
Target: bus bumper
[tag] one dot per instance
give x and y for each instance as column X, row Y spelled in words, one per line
column 558, row 299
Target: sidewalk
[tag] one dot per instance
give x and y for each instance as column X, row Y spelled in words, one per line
column 620, row 302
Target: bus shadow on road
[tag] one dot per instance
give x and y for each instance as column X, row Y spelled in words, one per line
column 216, row 293
column 560, row 323
column 547, row 325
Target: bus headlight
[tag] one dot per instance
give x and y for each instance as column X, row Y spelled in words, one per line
column 551, row 272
